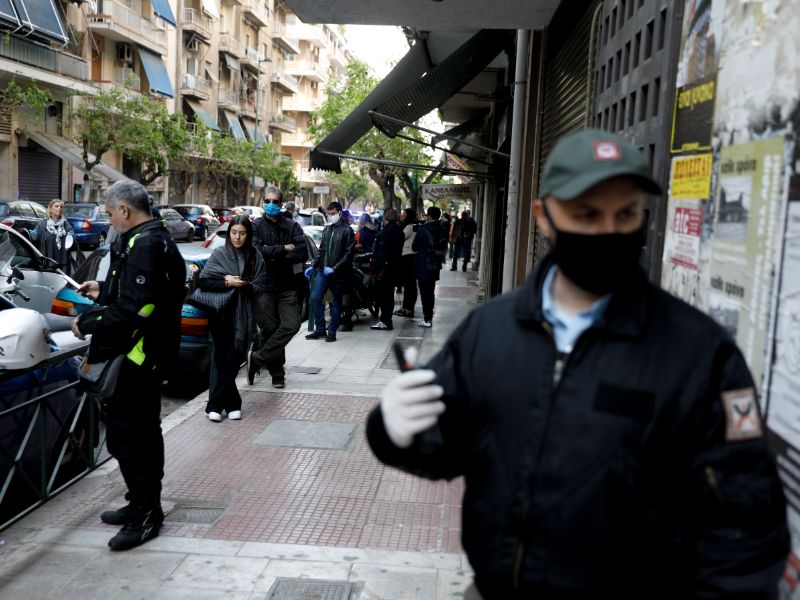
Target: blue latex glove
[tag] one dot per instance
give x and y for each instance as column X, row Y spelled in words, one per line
column 327, row 271
column 308, row 272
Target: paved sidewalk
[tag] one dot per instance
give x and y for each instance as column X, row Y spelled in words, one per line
column 291, row 491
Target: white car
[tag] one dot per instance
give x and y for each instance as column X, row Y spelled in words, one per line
column 254, row 212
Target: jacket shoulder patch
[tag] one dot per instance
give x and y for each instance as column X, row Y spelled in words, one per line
column 742, row 419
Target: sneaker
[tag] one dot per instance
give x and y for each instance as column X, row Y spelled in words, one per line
column 381, row 326
column 144, row 528
column 235, row 415
column 121, row 516
column 252, row 368
column 315, row 335
column 279, row 382
column 331, row 337
column 214, row 416
column 424, row 323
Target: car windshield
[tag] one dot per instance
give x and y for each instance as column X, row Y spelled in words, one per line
column 78, row 211
column 4, row 210
column 189, row 210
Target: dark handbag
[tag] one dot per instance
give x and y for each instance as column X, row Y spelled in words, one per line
column 210, row 300
column 99, row 380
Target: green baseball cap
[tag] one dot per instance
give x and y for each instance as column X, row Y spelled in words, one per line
column 582, row 160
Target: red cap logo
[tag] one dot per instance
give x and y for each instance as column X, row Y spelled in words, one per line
column 607, row 151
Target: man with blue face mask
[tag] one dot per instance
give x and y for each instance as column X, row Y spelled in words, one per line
column 282, row 244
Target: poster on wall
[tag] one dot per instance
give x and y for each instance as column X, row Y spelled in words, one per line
column 693, row 119
column 748, row 200
column 702, row 36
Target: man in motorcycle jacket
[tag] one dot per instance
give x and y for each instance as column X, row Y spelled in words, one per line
column 139, row 317
column 609, row 434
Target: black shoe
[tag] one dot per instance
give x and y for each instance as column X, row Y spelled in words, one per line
column 316, row 335
column 121, row 516
column 252, row 368
column 464, row 269
column 453, row 269
column 381, row 326
column 144, row 528
column 278, row 382
column 330, row 337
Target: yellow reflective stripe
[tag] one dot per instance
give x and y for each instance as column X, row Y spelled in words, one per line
column 137, row 354
column 147, row 310
column 133, row 240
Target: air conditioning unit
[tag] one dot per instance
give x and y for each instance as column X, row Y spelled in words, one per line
column 124, row 53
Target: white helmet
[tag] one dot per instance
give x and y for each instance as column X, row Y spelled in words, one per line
column 24, row 339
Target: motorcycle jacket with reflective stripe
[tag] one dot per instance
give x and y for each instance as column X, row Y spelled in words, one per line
column 634, row 467
column 140, row 301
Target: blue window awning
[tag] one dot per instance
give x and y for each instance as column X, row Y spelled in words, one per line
column 203, row 115
column 41, row 18
column 234, row 126
column 8, row 14
column 163, row 10
column 156, row 73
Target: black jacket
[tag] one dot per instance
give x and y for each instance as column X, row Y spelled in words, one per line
column 465, row 229
column 269, row 238
column 614, row 479
column 388, row 252
column 430, row 245
column 336, row 250
column 140, row 301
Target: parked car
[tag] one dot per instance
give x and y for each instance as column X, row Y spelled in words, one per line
column 90, row 222
column 314, row 232
column 313, row 217
column 201, row 216
column 223, row 213
column 253, row 212
column 179, row 228
column 22, row 215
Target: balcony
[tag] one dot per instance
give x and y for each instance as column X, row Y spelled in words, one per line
column 283, row 39
column 339, row 59
column 195, row 22
column 195, row 87
column 302, row 172
column 255, row 12
column 229, row 99
column 229, row 44
column 313, row 34
column 313, row 70
column 253, row 60
column 127, row 78
column 296, row 140
column 298, row 103
column 122, row 22
column 284, row 81
column 43, row 57
column 282, row 122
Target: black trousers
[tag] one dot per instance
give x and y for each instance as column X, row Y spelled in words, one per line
column 426, row 292
column 409, row 282
column 223, row 395
column 463, row 248
column 278, row 315
column 133, row 433
column 384, row 294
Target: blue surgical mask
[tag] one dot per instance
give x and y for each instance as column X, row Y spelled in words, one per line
column 272, row 210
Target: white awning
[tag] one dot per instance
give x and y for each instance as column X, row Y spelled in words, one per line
column 211, row 9
column 73, row 154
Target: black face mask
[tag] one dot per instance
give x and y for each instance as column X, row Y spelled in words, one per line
column 600, row 264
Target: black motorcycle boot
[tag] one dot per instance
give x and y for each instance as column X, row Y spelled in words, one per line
column 121, row 516
column 143, row 528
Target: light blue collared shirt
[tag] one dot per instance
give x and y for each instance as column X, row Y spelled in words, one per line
column 567, row 328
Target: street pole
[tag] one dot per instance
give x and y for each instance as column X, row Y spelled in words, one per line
column 255, row 135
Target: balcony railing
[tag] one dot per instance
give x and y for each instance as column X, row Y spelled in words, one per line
column 258, row 11
column 228, row 43
column 317, row 70
column 194, row 19
column 283, row 121
column 229, row 99
column 298, row 103
column 43, row 57
column 127, row 78
column 282, row 78
column 297, row 140
column 195, row 86
column 125, row 16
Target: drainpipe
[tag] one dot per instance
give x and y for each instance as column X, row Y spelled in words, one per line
column 517, row 130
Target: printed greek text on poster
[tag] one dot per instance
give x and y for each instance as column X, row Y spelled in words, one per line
column 693, row 119
column 691, row 177
column 743, row 254
column 447, row 191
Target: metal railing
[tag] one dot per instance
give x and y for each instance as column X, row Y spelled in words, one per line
column 195, row 84
column 260, row 11
column 228, row 43
column 308, row 67
column 43, row 57
column 193, row 18
column 280, row 119
column 49, row 441
column 298, row 103
column 279, row 75
column 126, row 77
column 130, row 19
column 229, row 98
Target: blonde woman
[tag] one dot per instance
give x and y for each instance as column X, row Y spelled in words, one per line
column 53, row 233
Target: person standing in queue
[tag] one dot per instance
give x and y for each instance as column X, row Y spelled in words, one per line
column 139, row 316
column 464, row 232
column 240, row 266
column 615, row 462
column 407, row 277
column 282, row 245
column 331, row 270
column 386, row 267
column 430, row 245
column 54, row 235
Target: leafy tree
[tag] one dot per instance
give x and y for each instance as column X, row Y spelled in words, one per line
column 230, row 165
column 348, row 186
column 30, row 98
column 185, row 167
column 341, row 100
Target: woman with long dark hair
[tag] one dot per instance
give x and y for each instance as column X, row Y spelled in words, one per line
column 235, row 265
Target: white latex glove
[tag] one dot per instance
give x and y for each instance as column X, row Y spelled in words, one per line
column 409, row 406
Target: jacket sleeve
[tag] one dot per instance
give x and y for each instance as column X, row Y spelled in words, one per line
column 259, row 241
column 442, row 451
column 137, row 300
column 740, row 510
column 379, row 252
column 259, row 281
column 349, row 244
column 422, row 240
column 300, row 252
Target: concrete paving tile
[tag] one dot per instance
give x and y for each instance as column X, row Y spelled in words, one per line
column 180, row 592
column 429, row 560
column 451, row 584
column 195, row 546
column 41, row 570
column 92, row 589
column 75, row 537
column 303, row 569
column 219, row 572
column 394, row 583
column 139, row 564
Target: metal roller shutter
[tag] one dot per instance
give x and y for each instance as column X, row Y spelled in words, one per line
column 39, row 175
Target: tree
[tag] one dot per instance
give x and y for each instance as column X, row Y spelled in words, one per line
column 184, row 168
column 340, row 101
column 348, row 186
column 30, row 98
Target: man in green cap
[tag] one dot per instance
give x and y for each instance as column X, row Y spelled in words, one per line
column 609, row 434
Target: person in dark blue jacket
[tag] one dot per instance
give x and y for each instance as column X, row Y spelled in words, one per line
column 430, row 245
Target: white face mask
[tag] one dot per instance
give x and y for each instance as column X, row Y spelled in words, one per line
column 334, row 219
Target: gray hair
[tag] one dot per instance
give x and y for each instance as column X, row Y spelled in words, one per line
column 128, row 192
column 271, row 189
column 291, row 206
column 390, row 214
